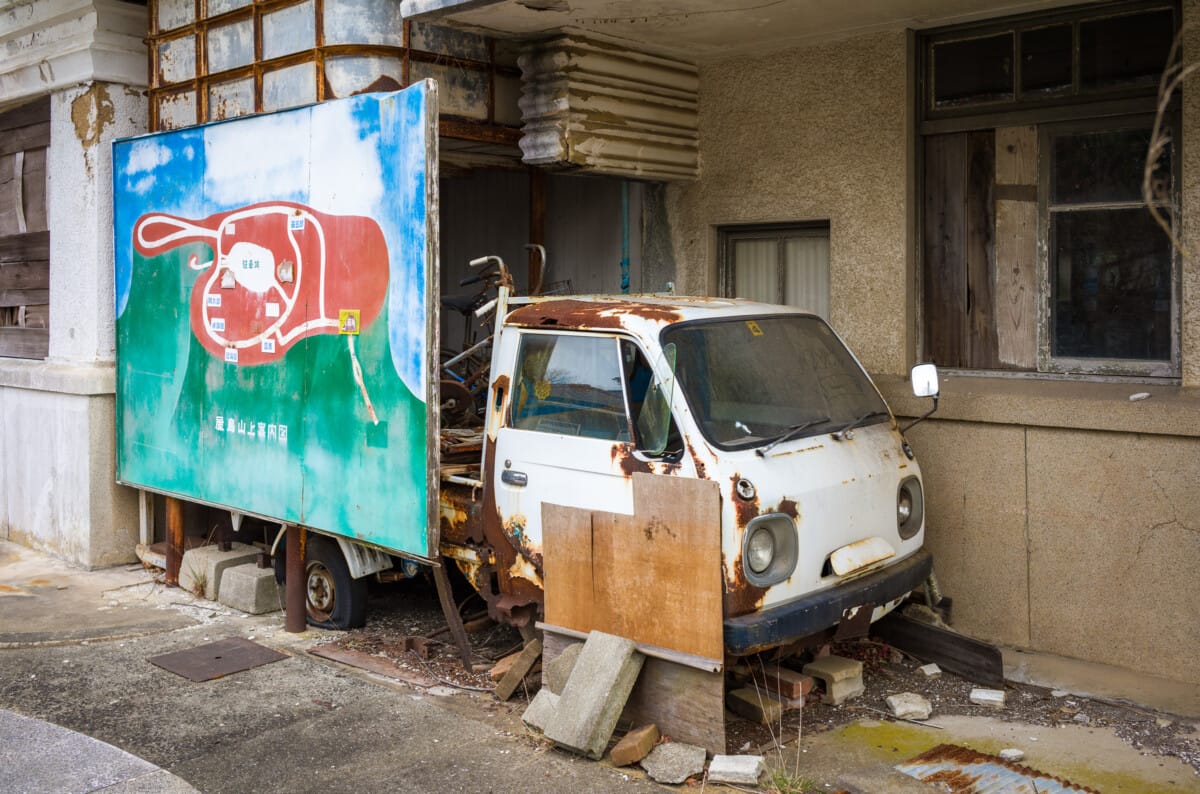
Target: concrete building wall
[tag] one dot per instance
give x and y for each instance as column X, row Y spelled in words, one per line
column 1062, row 516
column 810, row 135
column 57, row 436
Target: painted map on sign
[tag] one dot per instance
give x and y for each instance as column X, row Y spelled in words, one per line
column 273, row 279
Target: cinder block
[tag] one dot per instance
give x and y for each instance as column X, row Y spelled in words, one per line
column 635, row 745
column 842, row 677
column 206, row 564
column 558, row 671
column 755, row 706
column 738, row 769
column 541, row 710
column 595, row 694
column 251, row 589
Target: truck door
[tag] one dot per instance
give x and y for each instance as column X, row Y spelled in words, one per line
column 561, row 439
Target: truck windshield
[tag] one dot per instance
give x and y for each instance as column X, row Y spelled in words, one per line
column 750, row 381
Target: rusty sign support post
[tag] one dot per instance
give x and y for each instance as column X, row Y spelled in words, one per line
column 174, row 540
column 296, row 586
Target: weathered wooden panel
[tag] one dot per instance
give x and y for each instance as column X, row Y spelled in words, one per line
column 24, row 342
column 35, row 112
column 35, row 191
column 945, row 306
column 29, row 247
column 23, row 297
column 1016, row 246
column 34, row 316
column 980, row 262
column 654, row 576
column 685, row 703
column 32, row 275
column 35, row 136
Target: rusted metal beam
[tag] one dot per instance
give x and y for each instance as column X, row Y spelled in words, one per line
column 174, row 540
column 297, row 589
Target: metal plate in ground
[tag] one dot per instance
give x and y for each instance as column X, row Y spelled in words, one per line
column 964, row 771
column 217, row 659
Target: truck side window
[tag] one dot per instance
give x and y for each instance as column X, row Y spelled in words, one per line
column 646, row 404
column 569, row 384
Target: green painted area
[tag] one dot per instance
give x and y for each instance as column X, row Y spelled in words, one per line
column 291, row 439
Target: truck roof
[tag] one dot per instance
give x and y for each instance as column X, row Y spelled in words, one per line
column 644, row 315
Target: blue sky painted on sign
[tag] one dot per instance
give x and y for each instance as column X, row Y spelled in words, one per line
column 364, row 155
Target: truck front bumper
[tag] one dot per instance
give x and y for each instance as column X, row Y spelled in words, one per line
column 809, row 614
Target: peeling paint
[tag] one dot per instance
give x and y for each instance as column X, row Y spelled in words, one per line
column 91, row 112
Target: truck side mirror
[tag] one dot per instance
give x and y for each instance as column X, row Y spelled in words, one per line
column 654, row 422
column 925, row 380
column 924, row 384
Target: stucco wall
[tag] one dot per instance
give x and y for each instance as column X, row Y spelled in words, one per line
column 809, row 135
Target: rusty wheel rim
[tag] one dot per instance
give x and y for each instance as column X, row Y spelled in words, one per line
column 322, row 594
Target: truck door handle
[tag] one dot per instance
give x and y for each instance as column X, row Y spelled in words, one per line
column 511, row 477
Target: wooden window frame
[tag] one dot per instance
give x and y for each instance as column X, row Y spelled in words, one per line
column 780, row 232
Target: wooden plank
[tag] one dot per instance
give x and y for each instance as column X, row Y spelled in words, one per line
column 35, row 112
column 943, row 249
column 972, row 659
column 32, row 275
column 1016, row 246
column 34, row 316
column 980, row 251
column 685, row 703
column 35, row 136
column 23, row 297
column 24, row 342
column 35, row 190
column 567, row 566
column 1016, row 155
column 28, row 247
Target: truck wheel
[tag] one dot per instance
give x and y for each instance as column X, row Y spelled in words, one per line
column 333, row 599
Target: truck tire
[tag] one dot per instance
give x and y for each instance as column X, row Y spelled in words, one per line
column 333, row 599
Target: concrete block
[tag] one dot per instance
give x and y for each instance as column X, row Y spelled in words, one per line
column 595, row 694
column 204, row 565
column 930, row 670
column 674, row 762
column 909, row 706
column 541, row 710
column 635, row 745
column 251, row 589
column 755, row 706
column 842, row 678
column 1012, row 754
column 558, row 672
column 742, row 770
column 988, row 697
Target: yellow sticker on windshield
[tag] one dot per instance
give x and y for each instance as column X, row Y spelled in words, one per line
column 754, row 328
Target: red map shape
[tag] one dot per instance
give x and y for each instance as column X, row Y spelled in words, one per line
column 337, row 262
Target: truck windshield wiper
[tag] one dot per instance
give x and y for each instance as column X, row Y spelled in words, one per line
column 847, row 430
column 790, row 433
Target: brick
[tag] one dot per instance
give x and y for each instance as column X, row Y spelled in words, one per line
column 754, row 706
column 558, row 670
column 635, row 745
column 842, row 678
column 541, row 710
column 206, row 564
column 519, row 669
column 595, row 695
column 251, row 589
column 788, row 683
column 742, row 770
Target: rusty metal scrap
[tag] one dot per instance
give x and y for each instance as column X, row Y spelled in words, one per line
column 965, row 771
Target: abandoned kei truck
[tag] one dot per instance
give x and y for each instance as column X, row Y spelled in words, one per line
column 707, row 477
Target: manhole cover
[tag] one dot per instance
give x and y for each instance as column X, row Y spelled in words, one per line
column 217, row 659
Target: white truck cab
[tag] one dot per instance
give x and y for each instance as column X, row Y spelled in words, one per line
column 822, row 506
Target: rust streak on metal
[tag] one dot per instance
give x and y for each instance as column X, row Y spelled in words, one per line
column 740, row 596
column 603, row 314
column 622, row 455
column 460, row 520
column 747, row 509
column 514, row 592
column 965, row 771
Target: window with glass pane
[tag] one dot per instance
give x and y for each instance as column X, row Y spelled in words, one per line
column 1110, row 264
column 975, row 70
column 778, row 264
column 570, row 384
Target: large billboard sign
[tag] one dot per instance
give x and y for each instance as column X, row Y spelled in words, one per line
column 275, row 278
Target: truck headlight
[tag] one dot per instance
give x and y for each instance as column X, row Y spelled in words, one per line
column 769, row 549
column 910, row 507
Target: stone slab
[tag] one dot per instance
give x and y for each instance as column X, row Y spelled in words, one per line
column 909, row 706
column 674, row 762
column 558, row 671
column 635, row 745
column 251, row 589
column 541, row 710
column 742, row 770
column 206, row 564
column 596, row 693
